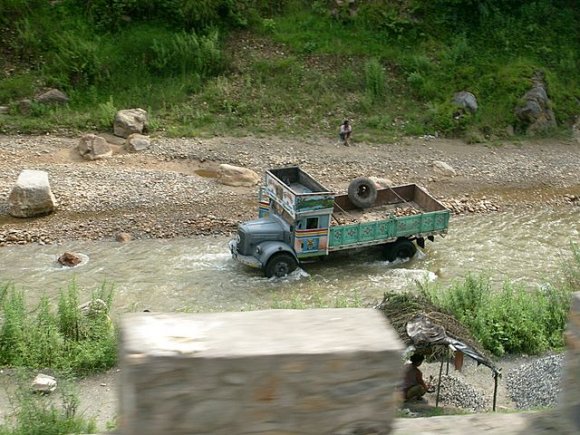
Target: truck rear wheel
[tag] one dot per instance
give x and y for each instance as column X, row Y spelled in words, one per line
column 402, row 248
column 362, row 192
column 280, row 265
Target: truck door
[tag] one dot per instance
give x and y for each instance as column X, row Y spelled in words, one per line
column 311, row 236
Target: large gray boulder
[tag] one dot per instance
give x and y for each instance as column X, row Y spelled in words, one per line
column 92, row 147
column 52, row 96
column 444, row 169
column 137, row 142
column 535, row 112
column 236, row 176
column 31, row 196
column 130, row 121
column 465, row 100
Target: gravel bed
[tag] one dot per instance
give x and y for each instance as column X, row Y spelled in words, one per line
column 159, row 193
column 536, row 384
column 458, row 393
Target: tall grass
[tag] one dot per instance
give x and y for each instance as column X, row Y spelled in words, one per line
column 513, row 319
column 45, row 415
column 306, row 71
column 67, row 338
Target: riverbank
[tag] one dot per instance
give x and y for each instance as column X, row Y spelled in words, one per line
column 168, row 190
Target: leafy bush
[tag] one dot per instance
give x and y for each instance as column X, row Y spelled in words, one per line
column 375, row 80
column 73, row 338
column 510, row 320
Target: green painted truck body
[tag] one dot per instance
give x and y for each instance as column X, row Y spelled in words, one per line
column 300, row 219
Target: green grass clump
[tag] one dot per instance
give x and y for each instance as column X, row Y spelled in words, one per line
column 66, row 338
column 37, row 414
column 512, row 319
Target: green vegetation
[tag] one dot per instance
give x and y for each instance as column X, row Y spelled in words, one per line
column 37, row 414
column 513, row 319
column 277, row 67
column 69, row 339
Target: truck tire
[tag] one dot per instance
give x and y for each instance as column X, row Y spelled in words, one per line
column 362, row 192
column 402, row 248
column 280, row 265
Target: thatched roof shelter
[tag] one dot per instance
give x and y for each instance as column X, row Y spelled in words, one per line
column 401, row 309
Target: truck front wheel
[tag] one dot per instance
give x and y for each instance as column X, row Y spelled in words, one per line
column 403, row 248
column 280, row 265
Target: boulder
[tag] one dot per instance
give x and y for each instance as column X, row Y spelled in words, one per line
column 381, row 183
column 236, row 176
column 52, row 96
column 43, row 383
column 69, row 259
column 31, row 196
column 130, row 121
column 465, row 100
column 535, row 112
column 444, row 169
column 92, row 147
column 137, row 142
column 123, row 237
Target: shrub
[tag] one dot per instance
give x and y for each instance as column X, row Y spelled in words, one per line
column 67, row 339
column 375, row 80
column 510, row 320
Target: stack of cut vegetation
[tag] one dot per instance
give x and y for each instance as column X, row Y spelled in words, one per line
column 400, row 308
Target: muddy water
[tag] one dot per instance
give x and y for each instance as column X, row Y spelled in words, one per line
column 199, row 275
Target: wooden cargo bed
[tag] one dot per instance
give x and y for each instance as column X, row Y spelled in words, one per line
column 398, row 201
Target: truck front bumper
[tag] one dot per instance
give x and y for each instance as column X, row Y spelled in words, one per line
column 248, row 260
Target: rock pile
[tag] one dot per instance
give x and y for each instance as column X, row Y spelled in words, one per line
column 536, row 384
column 467, row 205
column 457, row 393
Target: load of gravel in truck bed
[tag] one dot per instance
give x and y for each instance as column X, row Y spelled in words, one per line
column 373, row 214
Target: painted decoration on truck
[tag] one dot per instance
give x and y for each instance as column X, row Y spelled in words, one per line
column 281, row 194
column 263, row 203
column 297, row 203
column 311, row 235
column 311, row 242
column 314, row 202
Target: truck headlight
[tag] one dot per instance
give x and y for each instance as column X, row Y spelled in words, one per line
column 258, row 250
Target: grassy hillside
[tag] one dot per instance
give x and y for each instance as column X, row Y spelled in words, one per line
column 281, row 67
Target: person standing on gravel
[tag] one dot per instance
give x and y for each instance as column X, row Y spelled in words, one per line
column 344, row 132
column 414, row 387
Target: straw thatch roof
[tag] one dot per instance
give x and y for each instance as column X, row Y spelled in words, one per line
column 400, row 308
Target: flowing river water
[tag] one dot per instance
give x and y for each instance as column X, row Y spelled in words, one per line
column 198, row 274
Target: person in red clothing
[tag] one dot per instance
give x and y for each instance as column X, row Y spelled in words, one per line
column 414, row 387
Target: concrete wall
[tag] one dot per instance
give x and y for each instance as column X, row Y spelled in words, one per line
column 570, row 403
column 276, row 372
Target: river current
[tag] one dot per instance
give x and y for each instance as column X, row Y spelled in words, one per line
column 198, row 274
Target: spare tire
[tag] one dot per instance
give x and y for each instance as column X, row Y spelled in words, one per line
column 362, row 192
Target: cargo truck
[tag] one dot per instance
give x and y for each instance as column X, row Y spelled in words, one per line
column 301, row 220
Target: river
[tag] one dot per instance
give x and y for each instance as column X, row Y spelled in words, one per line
column 198, row 274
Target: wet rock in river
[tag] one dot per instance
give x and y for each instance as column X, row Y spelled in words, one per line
column 70, row 259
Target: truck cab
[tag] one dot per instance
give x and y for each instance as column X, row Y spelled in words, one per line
column 294, row 223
